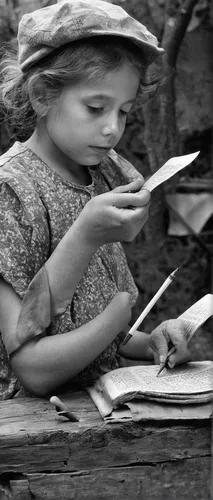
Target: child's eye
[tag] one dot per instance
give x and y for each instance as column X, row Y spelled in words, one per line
column 98, row 110
column 94, row 110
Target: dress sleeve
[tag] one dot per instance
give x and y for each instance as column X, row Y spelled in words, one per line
column 24, row 248
column 118, row 171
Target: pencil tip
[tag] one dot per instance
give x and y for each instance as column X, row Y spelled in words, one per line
column 126, row 339
column 162, row 366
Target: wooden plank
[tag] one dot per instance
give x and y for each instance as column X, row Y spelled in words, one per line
column 169, row 481
column 120, row 445
column 34, row 439
column 31, row 413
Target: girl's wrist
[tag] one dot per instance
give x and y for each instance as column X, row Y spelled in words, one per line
column 83, row 237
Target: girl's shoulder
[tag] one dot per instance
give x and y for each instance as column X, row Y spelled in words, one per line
column 15, row 155
column 24, row 231
column 14, row 160
column 118, row 170
column 20, row 202
column 15, row 179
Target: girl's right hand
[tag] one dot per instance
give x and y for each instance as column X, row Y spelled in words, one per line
column 118, row 215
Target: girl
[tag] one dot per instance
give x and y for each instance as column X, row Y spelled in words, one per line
column 67, row 200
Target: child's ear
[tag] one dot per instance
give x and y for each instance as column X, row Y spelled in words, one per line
column 37, row 96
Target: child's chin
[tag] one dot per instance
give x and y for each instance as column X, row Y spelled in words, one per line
column 93, row 162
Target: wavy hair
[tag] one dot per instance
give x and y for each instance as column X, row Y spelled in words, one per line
column 26, row 95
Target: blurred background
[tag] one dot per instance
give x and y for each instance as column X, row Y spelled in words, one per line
column 177, row 119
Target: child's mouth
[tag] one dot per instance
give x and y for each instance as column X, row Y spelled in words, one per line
column 99, row 149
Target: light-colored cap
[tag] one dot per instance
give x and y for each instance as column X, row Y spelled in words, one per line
column 46, row 29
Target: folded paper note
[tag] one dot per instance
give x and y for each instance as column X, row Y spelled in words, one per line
column 170, row 168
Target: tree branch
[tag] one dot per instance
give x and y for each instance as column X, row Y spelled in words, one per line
column 172, row 43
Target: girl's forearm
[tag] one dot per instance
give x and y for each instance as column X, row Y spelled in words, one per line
column 137, row 347
column 66, row 266
column 43, row 364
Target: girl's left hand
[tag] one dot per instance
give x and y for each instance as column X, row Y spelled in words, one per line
column 168, row 334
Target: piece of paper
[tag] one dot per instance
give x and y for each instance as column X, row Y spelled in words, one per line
column 143, row 410
column 170, row 168
column 183, row 400
column 197, row 314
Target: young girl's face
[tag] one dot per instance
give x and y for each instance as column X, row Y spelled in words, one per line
column 89, row 119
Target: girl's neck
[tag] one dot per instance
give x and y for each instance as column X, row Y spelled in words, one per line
column 47, row 151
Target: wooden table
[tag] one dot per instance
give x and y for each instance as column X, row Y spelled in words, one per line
column 44, row 456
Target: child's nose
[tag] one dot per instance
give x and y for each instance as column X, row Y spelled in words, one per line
column 111, row 126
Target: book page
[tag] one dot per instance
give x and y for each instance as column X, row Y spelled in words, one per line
column 197, row 314
column 117, row 383
column 170, row 168
column 125, row 383
column 190, row 378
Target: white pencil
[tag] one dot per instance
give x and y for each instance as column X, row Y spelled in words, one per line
column 148, row 308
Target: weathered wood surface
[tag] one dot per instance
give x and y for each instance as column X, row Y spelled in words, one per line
column 45, row 456
column 160, row 482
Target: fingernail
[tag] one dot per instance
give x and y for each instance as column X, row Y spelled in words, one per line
column 162, row 358
column 171, row 365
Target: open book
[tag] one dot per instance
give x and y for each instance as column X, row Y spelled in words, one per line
column 136, row 393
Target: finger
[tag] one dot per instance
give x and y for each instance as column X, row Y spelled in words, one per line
column 181, row 353
column 159, row 344
column 124, row 200
column 132, row 222
column 135, row 185
column 176, row 360
column 175, row 332
column 134, row 214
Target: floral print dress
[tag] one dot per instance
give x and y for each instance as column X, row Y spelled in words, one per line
column 37, row 207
